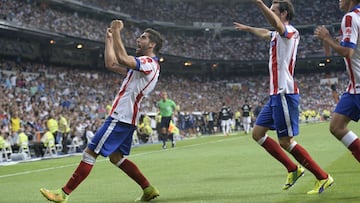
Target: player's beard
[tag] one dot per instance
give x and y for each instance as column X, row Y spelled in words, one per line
column 142, row 50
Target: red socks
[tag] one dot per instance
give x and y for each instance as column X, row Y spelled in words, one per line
column 354, row 147
column 299, row 153
column 81, row 172
column 303, row 157
column 134, row 173
column 278, row 153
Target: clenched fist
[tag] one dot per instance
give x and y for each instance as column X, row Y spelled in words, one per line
column 116, row 25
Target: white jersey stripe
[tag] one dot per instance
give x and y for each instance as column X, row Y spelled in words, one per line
column 106, row 135
column 274, row 69
column 286, row 115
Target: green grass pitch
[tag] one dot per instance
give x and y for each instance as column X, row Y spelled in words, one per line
column 209, row 169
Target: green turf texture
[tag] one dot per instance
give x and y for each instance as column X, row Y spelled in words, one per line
column 208, row 169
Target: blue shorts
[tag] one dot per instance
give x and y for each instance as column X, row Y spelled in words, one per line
column 349, row 105
column 112, row 136
column 281, row 113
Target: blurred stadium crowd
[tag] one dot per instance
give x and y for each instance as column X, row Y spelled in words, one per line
column 209, row 45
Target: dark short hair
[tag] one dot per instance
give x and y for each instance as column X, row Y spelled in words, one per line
column 286, row 5
column 156, row 37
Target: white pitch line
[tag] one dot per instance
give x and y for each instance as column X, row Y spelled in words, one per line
column 139, row 154
column 35, row 171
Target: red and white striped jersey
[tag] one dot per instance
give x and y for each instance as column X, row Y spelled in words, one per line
column 138, row 83
column 350, row 26
column 283, row 49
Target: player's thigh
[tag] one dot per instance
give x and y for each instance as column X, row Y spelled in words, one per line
column 338, row 124
column 349, row 106
column 286, row 115
column 265, row 117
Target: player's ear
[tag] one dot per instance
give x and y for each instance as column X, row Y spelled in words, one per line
column 284, row 14
column 152, row 45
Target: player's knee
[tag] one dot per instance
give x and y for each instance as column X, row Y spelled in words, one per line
column 258, row 134
column 332, row 129
column 335, row 129
column 117, row 162
column 285, row 145
column 88, row 158
column 116, row 158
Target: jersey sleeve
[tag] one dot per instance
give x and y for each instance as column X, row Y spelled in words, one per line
column 349, row 31
column 145, row 64
column 290, row 32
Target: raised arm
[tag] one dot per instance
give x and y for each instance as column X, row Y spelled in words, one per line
column 119, row 48
column 111, row 62
column 271, row 17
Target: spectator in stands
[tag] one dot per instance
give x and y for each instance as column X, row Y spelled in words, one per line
column 197, row 46
column 22, row 140
column 144, row 130
column 64, row 131
column 89, row 135
column 47, row 140
column 4, row 145
column 15, row 123
column 53, row 126
column 2, row 142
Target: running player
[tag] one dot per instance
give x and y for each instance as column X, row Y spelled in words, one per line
column 281, row 112
column 348, row 107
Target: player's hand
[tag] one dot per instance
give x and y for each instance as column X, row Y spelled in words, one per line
column 240, row 26
column 108, row 33
column 338, row 38
column 117, row 25
column 321, row 32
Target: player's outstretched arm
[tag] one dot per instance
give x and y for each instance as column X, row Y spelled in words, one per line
column 260, row 32
column 119, row 48
column 323, row 34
